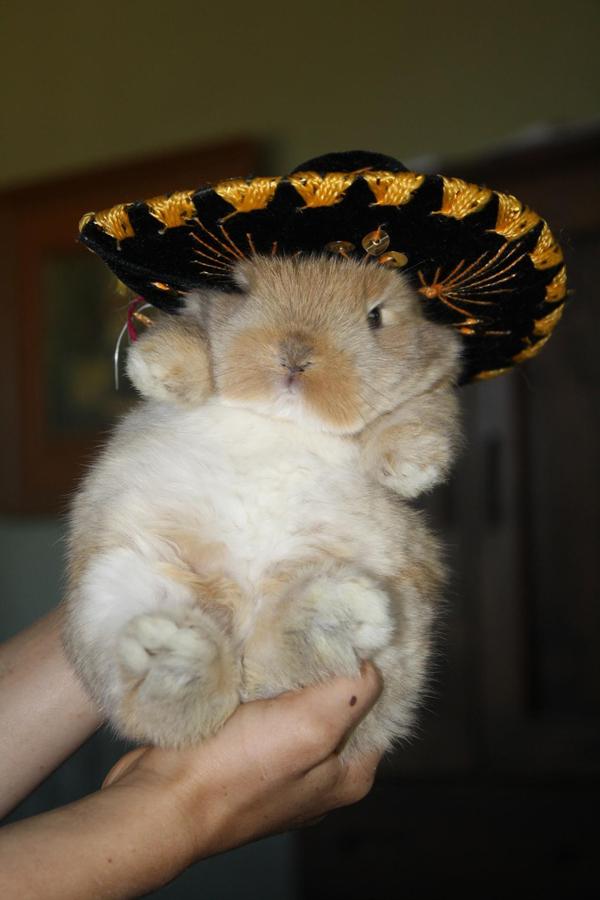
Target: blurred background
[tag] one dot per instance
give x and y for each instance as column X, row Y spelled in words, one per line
column 498, row 793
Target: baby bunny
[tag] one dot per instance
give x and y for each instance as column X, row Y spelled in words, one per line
column 246, row 531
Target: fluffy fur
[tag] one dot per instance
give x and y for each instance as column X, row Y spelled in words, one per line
column 244, row 532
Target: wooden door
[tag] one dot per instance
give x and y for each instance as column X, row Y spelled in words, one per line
column 497, row 795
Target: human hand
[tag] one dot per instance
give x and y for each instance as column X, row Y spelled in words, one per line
column 274, row 765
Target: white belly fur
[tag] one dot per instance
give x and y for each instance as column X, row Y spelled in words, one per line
column 266, row 489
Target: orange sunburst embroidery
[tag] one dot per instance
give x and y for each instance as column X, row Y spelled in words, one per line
column 475, row 283
column 218, row 253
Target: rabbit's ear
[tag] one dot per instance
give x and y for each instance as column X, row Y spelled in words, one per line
column 170, row 362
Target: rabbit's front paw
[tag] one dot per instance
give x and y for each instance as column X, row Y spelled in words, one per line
column 409, row 461
column 329, row 625
column 180, row 678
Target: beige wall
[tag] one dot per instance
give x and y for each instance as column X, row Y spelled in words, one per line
column 89, row 82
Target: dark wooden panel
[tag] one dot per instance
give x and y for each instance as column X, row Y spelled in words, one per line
column 488, row 839
column 516, row 716
column 561, row 414
column 38, row 224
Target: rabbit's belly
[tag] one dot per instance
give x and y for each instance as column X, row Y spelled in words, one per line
column 264, row 516
column 264, row 493
column 282, row 510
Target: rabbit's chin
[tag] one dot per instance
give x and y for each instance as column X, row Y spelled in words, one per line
column 291, row 405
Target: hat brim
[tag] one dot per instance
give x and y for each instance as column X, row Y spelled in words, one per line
column 481, row 261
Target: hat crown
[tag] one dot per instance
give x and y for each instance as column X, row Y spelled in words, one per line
column 351, row 161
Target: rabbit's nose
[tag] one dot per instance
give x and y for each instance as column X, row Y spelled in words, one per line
column 294, row 353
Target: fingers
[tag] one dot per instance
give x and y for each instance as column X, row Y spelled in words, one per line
column 334, row 783
column 273, row 765
column 358, row 778
column 282, row 738
column 333, row 710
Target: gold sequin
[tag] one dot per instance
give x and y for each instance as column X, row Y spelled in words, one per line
column 393, row 188
column 393, row 259
column 514, row 219
column 546, row 252
column 461, row 199
column 160, row 285
column 547, row 324
column 247, row 195
column 343, row 248
column 531, row 350
column 376, row 242
column 115, row 222
column 557, row 288
column 142, row 319
column 172, row 210
column 321, row 190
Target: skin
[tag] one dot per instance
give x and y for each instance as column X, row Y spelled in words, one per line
column 46, row 714
column 274, row 765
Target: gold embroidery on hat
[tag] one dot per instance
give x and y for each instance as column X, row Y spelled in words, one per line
column 246, row 195
column 461, row 199
column 251, row 243
column 115, row 222
column 547, row 324
column 172, row 210
column 557, row 288
column 546, row 252
column 237, row 252
column 321, row 190
column 86, row 219
column 490, row 373
column 218, row 257
column 231, row 250
column 531, row 350
column 514, row 219
column 486, row 276
column 392, row 188
column 212, row 274
column 215, row 258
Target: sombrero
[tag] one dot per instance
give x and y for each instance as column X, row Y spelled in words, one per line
column 481, row 261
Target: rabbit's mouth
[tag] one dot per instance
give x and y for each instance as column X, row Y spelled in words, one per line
column 292, row 378
column 295, row 376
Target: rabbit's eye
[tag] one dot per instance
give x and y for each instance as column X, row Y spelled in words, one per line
column 374, row 317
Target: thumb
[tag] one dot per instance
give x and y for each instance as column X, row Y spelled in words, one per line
column 123, row 766
column 361, row 702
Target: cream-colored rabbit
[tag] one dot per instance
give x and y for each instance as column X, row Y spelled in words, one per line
column 244, row 532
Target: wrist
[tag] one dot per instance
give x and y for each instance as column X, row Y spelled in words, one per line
column 156, row 828
column 182, row 806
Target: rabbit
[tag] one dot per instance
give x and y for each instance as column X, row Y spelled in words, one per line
column 247, row 528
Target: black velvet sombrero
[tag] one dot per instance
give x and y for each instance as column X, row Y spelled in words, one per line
column 482, row 262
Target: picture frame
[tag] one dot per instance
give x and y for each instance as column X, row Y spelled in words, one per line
column 63, row 311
